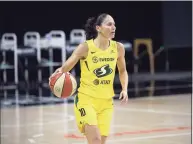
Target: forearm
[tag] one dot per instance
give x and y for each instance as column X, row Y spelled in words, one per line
column 80, row 52
column 66, row 67
column 123, row 76
column 69, row 64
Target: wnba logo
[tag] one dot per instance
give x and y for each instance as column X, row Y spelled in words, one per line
column 57, row 89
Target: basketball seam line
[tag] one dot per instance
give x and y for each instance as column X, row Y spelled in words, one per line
column 55, row 83
column 63, row 83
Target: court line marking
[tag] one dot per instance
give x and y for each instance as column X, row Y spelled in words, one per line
column 31, row 140
column 32, row 124
column 148, row 137
column 74, row 136
column 35, row 136
column 131, row 126
column 113, row 126
column 151, row 111
column 38, row 135
column 169, row 123
column 67, row 119
column 56, row 114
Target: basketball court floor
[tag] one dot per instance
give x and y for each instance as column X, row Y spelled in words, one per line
column 147, row 120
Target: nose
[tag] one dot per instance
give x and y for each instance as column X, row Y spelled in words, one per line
column 114, row 27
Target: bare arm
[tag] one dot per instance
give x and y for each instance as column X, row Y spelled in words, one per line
column 123, row 75
column 79, row 53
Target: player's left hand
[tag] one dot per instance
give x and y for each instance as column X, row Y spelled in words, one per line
column 123, row 96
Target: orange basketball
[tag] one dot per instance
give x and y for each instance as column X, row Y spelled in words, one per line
column 63, row 85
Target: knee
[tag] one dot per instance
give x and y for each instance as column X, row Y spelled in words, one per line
column 103, row 139
column 96, row 140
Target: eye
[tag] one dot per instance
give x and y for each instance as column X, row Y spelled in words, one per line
column 109, row 24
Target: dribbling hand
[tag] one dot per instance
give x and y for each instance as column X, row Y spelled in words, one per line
column 56, row 71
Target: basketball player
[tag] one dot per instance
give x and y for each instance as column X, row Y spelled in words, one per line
column 98, row 57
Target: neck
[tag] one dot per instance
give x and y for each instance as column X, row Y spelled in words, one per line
column 101, row 42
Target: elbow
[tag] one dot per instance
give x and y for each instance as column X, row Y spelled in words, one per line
column 122, row 71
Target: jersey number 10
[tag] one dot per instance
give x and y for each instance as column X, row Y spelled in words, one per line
column 82, row 112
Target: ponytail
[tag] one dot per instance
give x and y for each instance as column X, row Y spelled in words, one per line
column 90, row 28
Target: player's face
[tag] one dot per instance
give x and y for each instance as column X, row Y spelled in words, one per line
column 107, row 28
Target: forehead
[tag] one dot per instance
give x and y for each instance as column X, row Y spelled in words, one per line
column 108, row 19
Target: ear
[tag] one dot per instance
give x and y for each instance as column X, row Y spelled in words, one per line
column 98, row 28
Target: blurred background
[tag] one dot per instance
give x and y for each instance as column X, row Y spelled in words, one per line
column 37, row 37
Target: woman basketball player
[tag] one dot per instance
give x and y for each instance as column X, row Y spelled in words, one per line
column 98, row 57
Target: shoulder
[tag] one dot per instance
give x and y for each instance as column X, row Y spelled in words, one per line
column 120, row 48
column 81, row 50
column 83, row 46
column 120, row 45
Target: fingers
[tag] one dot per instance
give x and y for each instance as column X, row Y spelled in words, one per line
column 56, row 71
column 124, row 98
column 53, row 74
column 121, row 95
column 59, row 69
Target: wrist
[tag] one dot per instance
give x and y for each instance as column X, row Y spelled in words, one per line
column 125, row 90
column 61, row 69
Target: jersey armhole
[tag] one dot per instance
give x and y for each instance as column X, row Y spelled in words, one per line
column 117, row 49
column 84, row 59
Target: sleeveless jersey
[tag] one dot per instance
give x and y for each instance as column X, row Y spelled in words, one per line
column 98, row 71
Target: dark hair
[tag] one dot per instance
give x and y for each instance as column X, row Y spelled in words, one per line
column 91, row 23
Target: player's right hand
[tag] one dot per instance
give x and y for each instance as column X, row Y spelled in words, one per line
column 56, row 71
